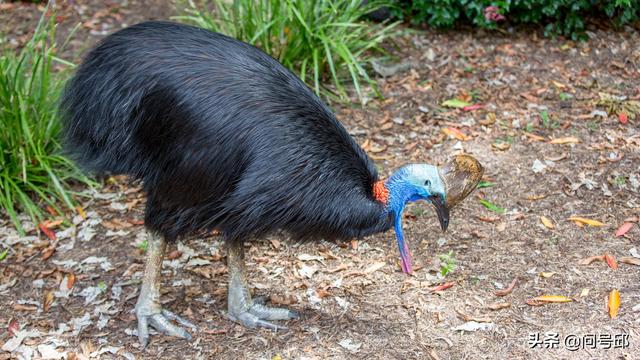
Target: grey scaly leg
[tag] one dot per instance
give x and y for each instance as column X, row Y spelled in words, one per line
column 242, row 309
column 148, row 308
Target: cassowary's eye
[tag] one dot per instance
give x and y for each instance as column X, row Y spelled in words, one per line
column 427, row 183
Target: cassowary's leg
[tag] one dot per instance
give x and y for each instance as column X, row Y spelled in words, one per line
column 148, row 308
column 242, row 309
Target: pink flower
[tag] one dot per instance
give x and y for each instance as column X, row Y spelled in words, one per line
column 491, row 14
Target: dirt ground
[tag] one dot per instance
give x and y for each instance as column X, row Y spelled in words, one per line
column 553, row 144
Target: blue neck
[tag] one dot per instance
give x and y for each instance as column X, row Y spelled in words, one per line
column 400, row 192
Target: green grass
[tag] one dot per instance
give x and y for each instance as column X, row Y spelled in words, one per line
column 33, row 174
column 323, row 41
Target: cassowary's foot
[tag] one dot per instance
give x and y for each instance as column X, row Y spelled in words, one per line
column 160, row 320
column 242, row 309
column 254, row 313
column 148, row 308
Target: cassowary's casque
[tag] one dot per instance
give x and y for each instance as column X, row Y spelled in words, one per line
column 224, row 137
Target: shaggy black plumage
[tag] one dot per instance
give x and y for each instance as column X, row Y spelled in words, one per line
column 222, row 135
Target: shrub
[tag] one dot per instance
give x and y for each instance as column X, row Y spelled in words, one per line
column 324, row 40
column 32, row 173
column 559, row 17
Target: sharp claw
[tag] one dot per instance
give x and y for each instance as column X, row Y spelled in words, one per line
column 258, row 314
column 144, row 341
column 182, row 321
column 161, row 323
column 294, row 314
column 267, row 313
column 260, row 300
column 271, row 326
column 251, row 321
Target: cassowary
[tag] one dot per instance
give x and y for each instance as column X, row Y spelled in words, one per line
column 224, row 137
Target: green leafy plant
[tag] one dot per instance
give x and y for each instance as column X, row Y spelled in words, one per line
column 32, row 172
column 485, row 184
column 322, row 41
column 565, row 96
column 558, row 17
column 447, row 263
column 144, row 245
column 491, row 206
column 544, row 116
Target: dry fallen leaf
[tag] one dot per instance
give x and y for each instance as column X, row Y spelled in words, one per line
column 534, row 137
column 614, row 303
column 46, row 231
column 442, row 286
column 540, row 300
column 586, row 221
column 377, row 149
column 591, row 259
column 48, row 251
column 611, row 261
column 535, row 197
column 623, row 118
column 455, row 133
column 547, row 222
column 565, row 140
column 630, row 260
column 508, row 290
column 498, row 306
column 488, row 219
column 340, row 267
column 472, row 107
column 48, row 300
column 81, row 212
column 21, row 307
column 547, row 275
column 501, row 146
column 52, row 224
column 489, row 119
column 624, row 228
column 13, row 327
column 467, row 317
column 70, row 280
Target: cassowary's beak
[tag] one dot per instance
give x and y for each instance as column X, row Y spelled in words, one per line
column 442, row 210
column 461, row 176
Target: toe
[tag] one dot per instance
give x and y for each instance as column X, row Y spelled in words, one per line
column 260, row 300
column 143, row 331
column 251, row 321
column 271, row 326
column 294, row 314
column 182, row 321
column 162, row 324
column 267, row 313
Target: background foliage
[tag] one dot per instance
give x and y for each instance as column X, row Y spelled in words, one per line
column 323, row 41
column 559, row 17
column 33, row 173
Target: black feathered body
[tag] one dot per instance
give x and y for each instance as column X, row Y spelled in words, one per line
column 222, row 136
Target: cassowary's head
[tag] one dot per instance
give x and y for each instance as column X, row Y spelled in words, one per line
column 442, row 187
